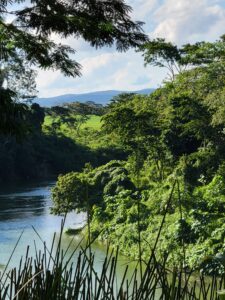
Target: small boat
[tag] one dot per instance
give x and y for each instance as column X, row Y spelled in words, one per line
column 76, row 229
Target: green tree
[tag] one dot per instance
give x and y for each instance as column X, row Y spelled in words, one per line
column 177, row 60
column 69, row 193
column 81, row 112
column 17, row 82
column 188, row 125
column 12, row 114
column 132, row 120
column 162, row 54
column 88, row 188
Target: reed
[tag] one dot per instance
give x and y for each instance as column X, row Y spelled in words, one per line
column 53, row 274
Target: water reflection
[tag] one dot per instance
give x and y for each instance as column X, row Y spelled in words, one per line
column 23, row 207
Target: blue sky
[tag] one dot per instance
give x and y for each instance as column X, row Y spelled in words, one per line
column 179, row 21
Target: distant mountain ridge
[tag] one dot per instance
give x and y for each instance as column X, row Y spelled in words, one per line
column 100, row 97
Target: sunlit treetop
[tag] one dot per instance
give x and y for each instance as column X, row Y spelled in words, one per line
column 158, row 52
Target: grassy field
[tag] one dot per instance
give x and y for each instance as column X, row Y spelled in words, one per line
column 87, row 135
column 94, row 122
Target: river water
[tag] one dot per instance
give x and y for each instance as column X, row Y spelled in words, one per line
column 24, row 207
column 21, row 207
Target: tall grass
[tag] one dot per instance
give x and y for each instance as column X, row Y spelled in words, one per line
column 52, row 274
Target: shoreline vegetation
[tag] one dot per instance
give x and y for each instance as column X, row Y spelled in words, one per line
column 149, row 170
column 52, row 274
column 59, row 140
column 173, row 139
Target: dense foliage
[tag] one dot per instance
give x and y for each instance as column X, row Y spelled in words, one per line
column 175, row 140
column 57, row 140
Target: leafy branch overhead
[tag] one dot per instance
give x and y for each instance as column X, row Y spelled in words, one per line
column 26, row 40
column 100, row 23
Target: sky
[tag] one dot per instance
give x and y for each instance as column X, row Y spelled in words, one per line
column 178, row 21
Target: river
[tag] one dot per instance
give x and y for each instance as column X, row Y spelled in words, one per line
column 24, row 207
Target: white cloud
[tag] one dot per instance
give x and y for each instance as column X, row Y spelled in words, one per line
column 180, row 21
column 46, row 78
column 91, row 64
column 125, row 71
column 142, row 8
column 183, row 21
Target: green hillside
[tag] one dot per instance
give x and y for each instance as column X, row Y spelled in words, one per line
column 101, row 97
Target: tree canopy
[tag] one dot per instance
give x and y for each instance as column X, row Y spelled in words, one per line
column 158, row 52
